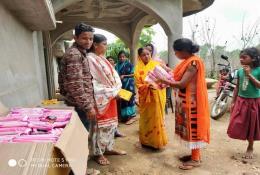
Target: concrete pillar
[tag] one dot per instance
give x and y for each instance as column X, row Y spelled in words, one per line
column 136, row 28
column 175, row 27
column 133, row 54
column 49, row 64
column 58, row 52
column 170, row 19
column 40, row 63
column 172, row 59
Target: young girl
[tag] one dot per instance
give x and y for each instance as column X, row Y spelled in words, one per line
column 192, row 109
column 245, row 108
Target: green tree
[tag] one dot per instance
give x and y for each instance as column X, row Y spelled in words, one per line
column 206, row 54
column 146, row 36
column 234, row 58
column 115, row 47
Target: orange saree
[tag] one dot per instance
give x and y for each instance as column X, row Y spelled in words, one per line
column 192, row 109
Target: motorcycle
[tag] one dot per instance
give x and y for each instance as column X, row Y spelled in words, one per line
column 220, row 105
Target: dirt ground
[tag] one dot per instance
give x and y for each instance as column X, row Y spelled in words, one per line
column 220, row 157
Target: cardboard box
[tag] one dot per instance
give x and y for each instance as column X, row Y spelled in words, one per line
column 70, row 152
column 3, row 109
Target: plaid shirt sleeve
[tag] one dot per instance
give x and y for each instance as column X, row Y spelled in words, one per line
column 79, row 86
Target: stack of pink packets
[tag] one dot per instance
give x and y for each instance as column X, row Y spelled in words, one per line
column 33, row 125
column 156, row 74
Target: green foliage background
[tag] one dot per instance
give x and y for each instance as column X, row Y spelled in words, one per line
column 114, row 48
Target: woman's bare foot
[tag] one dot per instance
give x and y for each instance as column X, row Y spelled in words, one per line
column 115, row 152
column 190, row 165
column 101, row 160
column 248, row 154
column 249, row 151
column 119, row 134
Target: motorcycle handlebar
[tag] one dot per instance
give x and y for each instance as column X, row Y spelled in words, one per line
column 222, row 64
column 224, row 57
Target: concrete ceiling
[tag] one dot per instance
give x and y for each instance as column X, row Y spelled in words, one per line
column 36, row 14
column 116, row 9
column 193, row 6
column 100, row 10
column 113, row 13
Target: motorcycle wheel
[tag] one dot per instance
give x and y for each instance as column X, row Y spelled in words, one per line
column 219, row 107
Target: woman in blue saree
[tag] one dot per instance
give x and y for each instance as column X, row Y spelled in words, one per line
column 126, row 72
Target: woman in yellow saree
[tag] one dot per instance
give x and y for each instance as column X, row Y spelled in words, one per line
column 152, row 101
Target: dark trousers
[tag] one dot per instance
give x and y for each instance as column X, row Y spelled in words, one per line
column 83, row 117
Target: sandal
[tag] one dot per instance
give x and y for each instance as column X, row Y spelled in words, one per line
column 131, row 121
column 118, row 134
column 101, row 160
column 92, row 171
column 189, row 165
column 185, row 158
column 116, row 152
column 248, row 155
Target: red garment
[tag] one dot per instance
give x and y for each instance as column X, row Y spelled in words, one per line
column 110, row 115
column 245, row 119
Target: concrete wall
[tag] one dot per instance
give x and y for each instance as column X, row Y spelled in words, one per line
column 58, row 52
column 22, row 67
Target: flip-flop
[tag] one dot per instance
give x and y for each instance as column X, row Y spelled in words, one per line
column 116, row 152
column 131, row 121
column 189, row 165
column 185, row 158
column 92, row 171
column 248, row 157
column 118, row 134
column 102, row 160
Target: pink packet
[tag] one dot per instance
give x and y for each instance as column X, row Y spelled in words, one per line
column 151, row 82
column 150, row 79
column 59, row 117
column 36, row 138
column 14, row 117
column 14, row 130
column 27, row 110
column 57, row 131
column 41, row 136
column 161, row 73
column 6, row 139
column 152, row 76
column 38, row 131
column 5, row 124
column 40, row 125
column 60, row 124
column 35, row 116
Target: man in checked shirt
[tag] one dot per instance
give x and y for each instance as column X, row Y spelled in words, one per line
column 75, row 80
